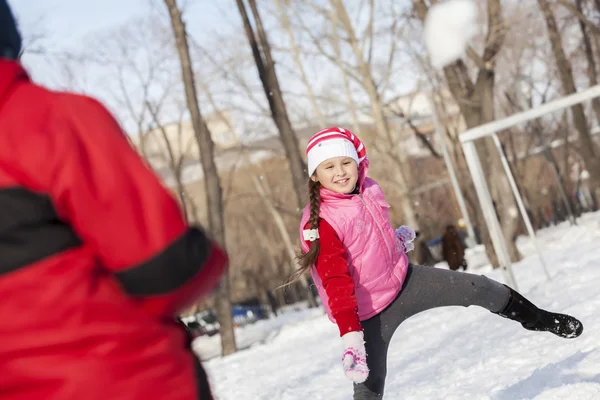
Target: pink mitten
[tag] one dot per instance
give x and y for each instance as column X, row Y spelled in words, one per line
column 354, row 360
column 406, row 235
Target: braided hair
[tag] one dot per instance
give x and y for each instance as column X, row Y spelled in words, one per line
column 307, row 259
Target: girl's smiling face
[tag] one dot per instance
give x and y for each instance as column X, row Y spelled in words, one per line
column 338, row 174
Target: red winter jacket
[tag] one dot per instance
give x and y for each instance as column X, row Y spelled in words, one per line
column 95, row 258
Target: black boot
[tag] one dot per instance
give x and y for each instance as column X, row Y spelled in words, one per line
column 534, row 319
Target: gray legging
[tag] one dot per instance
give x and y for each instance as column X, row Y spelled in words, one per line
column 424, row 288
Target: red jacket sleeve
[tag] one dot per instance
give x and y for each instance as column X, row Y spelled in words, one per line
column 118, row 207
column 332, row 268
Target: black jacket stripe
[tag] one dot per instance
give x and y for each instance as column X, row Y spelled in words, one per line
column 30, row 229
column 171, row 268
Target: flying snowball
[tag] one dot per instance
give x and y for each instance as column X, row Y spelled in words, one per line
column 448, row 28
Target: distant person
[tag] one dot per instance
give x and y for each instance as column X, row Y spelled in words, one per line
column 453, row 249
column 96, row 260
column 359, row 264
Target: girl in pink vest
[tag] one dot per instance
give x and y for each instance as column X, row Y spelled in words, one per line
column 359, row 265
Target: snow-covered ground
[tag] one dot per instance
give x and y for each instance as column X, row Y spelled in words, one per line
column 450, row 353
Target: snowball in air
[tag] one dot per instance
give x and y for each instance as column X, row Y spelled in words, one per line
column 448, row 28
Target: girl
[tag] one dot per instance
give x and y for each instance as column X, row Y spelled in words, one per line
column 359, row 265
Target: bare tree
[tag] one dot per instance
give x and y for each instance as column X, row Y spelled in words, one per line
column 265, row 65
column 520, row 162
column 361, row 71
column 335, row 43
column 592, row 71
column 137, row 60
column 587, row 147
column 476, row 102
column 398, row 111
column 375, row 95
column 263, row 192
column 176, row 157
column 211, row 177
column 285, row 22
column 577, row 10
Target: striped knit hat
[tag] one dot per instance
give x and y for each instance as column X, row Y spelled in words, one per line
column 333, row 142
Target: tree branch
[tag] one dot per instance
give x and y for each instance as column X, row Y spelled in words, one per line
column 423, row 138
column 370, row 31
column 335, row 60
column 476, row 58
column 573, row 10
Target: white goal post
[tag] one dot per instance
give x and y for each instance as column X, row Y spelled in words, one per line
column 468, row 139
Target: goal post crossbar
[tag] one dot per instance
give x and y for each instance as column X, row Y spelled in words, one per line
column 468, row 139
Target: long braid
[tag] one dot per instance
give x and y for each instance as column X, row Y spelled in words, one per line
column 315, row 204
column 306, row 260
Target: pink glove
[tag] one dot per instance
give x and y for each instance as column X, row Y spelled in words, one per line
column 406, row 235
column 354, row 360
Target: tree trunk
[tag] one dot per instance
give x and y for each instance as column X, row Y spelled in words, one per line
column 284, row 236
column 268, row 77
column 591, row 62
column 266, row 201
column 492, row 166
column 587, row 147
column 577, row 12
column 267, row 246
column 377, row 110
column 211, row 177
column 476, row 103
column 561, row 184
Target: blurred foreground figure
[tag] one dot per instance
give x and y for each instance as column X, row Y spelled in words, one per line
column 96, row 259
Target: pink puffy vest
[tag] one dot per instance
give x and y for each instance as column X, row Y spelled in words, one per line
column 376, row 257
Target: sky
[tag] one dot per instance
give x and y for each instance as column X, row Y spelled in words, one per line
column 65, row 24
column 70, row 20
column 68, row 31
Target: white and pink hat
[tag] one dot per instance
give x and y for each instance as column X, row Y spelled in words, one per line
column 333, row 142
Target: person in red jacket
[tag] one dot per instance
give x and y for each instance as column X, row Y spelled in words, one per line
column 96, row 260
